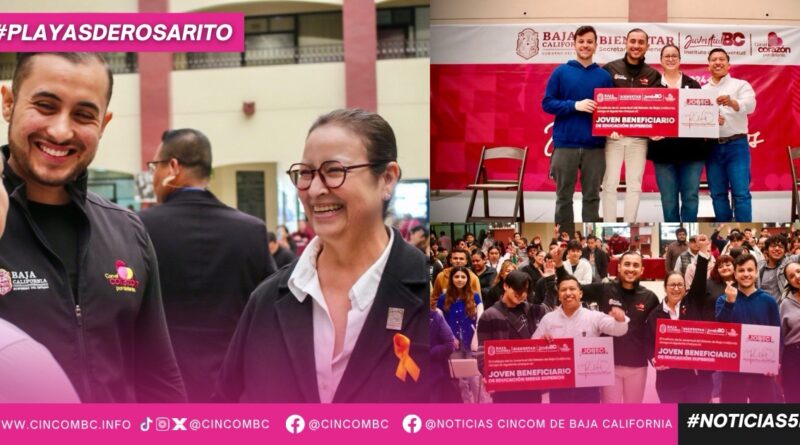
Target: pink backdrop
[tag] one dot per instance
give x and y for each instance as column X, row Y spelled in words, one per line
column 487, row 83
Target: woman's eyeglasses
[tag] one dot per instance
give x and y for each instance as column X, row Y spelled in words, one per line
column 332, row 173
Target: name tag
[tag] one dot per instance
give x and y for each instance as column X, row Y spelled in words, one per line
column 394, row 321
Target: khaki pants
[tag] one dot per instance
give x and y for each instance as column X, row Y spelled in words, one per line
column 628, row 385
column 633, row 151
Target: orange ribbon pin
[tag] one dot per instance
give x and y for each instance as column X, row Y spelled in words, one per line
column 407, row 365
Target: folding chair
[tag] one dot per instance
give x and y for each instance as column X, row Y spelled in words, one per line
column 483, row 182
column 794, row 153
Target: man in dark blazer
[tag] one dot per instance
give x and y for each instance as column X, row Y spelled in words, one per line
column 597, row 257
column 271, row 356
column 210, row 258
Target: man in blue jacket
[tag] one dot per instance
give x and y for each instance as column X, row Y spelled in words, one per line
column 747, row 304
column 569, row 96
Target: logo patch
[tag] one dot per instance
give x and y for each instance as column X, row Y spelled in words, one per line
column 21, row 281
column 123, row 280
column 6, row 285
column 640, row 307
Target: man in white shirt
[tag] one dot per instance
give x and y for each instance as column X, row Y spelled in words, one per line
column 571, row 320
column 728, row 166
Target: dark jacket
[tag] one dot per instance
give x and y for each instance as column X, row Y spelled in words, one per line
column 694, row 306
column 495, row 323
column 631, row 348
column 486, row 279
column 533, row 272
column 111, row 338
column 600, row 260
column 676, row 150
column 211, row 257
column 442, row 345
column 625, row 75
column 271, row 355
column 282, row 257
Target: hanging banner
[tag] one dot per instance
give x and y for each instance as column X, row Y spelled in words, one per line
column 488, row 81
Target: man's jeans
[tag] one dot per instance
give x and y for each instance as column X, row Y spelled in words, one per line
column 564, row 166
column 678, row 185
column 728, row 168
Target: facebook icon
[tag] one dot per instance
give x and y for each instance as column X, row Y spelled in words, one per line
column 412, row 423
column 295, row 424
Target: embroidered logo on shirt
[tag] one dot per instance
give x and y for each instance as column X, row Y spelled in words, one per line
column 5, row 282
column 21, row 281
column 640, row 307
column 123, row 280
column 644, row 81
column 620, row 76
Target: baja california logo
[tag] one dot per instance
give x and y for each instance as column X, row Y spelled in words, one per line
column 527, row 43
column 5, row 282
column 123, row 280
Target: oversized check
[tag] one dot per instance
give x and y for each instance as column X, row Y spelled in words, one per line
column 513, row 365
column 648, row 112
column 716, row 346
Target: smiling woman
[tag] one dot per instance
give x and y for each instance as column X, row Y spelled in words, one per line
column 339, row 325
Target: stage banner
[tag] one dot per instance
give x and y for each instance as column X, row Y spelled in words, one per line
column 647, row 112
column 715, row 346
column 515, row 365
column 488, row 81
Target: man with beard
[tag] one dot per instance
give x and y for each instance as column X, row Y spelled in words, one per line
column 457, row 258
column 628, row 72
column 86, row 278
column 630, row 350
